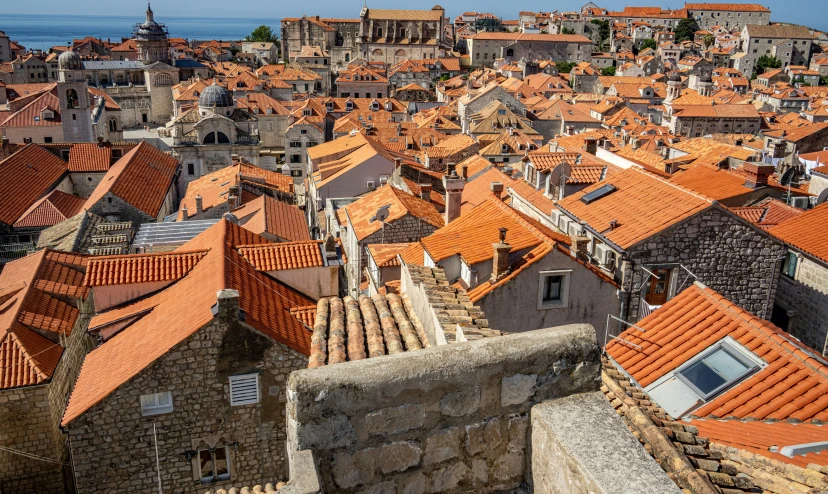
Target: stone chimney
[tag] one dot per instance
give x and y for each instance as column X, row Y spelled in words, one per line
column 199, row 204
column 454, row 191
column 330, row 247
column 497, row 189
column 184, row 214
column 463, row 171
column 425, row 192
column 234, row 197
column 757, row 174
column 591, row 145
column 227, row 304
column 500, row 262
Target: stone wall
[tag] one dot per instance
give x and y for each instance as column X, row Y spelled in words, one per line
column 806, row 299
column 445, row 419
column 113, row 208
column 113, row 445
column 569, row 456
column 84, row 184
column 729, row 255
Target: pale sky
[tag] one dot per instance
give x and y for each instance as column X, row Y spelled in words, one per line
column 809, row 12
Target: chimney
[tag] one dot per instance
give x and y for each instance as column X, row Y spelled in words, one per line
column 184, row 214
column 500, row 262
column 235, row 159
column 330, row 247
column 227, row 304
column 463, row 172
column 234, row 197
column 454, row 191
column 425, row 192
column 636, row 143
column 397, row 162
column 591, row 145
column 757, row 174
column 497, row 189
column 199, row 205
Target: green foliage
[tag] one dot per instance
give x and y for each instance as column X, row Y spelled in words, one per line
column 566, row 30
column 609, row 71
column 686, row 30
column 603, row 31
column 767, row 62
column 262, row 34
column 823, row 81
column 564, row 67
column 445, row 77
column 648, row 43
column 709, row 39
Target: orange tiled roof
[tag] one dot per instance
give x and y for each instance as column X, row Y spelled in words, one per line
column 268, row 215
column 806, row 232
column 386, row 254
column 642, row 205
column 143, row 268
column 173, row 314
column 32, row 294
column 89, row 157
column 736, row 7
column 26, row 176
column 282, row 256
column 142, row 178
column 56, row 207
column 479, row 189
column 712, row 181
column 401, row 203
column 794, row 384
column 767, row 213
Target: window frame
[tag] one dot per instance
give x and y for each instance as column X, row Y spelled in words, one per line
column 156, row 408
column 214, row 478
column 563, row 301
column 732, row 348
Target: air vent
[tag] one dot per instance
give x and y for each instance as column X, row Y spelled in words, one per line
column 244, row 390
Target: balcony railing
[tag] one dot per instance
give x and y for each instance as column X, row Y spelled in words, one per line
column 646, row 309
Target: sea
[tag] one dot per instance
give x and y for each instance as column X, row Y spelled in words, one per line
column 43, row 31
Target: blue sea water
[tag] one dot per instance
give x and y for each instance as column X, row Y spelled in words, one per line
column 43, row 31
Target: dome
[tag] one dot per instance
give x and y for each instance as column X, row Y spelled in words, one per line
column 69, row 60
column 150, row 30
column 706, row 78
column 675, row 77
column 215, row 95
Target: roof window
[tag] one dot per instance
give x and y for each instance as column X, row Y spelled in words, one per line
column 598, row 193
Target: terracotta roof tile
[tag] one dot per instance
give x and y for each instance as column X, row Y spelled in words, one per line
column 54, row 208
column 385, row 255
column 144, row 268
column 767, row 213
column 26, row 176
column 268, row 215
column 170, row 316
column 283, row 256
column 806, row 232
column 642, row 205
column 478, row 190
column 142, row 178
column 793, row 385
column 401, row 203
column 89, row 157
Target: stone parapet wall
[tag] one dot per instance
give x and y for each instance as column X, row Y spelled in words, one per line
column 444, row 419
column 806, row 299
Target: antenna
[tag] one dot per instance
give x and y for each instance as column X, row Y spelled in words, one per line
column 382, row 214
column 787, row 177
column 823, row 197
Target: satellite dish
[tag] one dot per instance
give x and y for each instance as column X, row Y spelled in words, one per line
column 822, row 197
column 382, row 214
column 787, row 177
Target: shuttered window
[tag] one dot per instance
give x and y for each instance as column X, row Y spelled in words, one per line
column 244, row 390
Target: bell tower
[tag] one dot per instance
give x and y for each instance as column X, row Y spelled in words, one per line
column 73, row 94
column 152, row 40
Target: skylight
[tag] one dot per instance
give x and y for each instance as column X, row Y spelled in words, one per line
column 598, row 193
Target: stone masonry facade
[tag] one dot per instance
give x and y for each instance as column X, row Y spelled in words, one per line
column 806, row 299
column 448, row 425
column 30, row 418
column 727, row 254
column 113, row 445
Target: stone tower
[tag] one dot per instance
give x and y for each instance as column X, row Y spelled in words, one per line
column 705, row 86
column 152, row 40
column 73, row 93
column 673, row 87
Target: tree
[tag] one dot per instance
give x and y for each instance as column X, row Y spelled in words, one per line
column 566, row 30
column 564, row 67
column 609, row 71
column 263, row 34
column 648, row 43
column 709, row 39
column 603, row 32
column 767, row 62
column 686, row 29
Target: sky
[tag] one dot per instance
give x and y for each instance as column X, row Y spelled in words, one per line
column 809, row 12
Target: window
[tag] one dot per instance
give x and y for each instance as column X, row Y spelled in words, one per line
column 47, row 140
column 296, row 173
column 553, row 290
column 244, row 390
column 789, row 265
column 295, row 158
column 295, row 144
column 190, row 169
column 156, row 403
column 311, row 144
column 718, row 368
column 214, row 464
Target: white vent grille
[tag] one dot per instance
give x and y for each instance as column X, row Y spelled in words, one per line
column 244, row 390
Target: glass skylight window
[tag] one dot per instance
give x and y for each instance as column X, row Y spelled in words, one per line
column 715, row 370
column 598, row 193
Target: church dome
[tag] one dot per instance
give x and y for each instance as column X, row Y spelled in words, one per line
column 69, row 60
column 215, row 95
column 675, row 77
column 706, row 78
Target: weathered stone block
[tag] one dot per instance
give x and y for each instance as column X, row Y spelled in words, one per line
column 448, row 478
column 334, row 432
column 517, row 389
column 397, row 457
column 416, row 484
column 395, row 420
column 443, row 445
column 483, row 436
column 460, row 403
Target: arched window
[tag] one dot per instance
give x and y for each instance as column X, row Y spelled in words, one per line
column 347, row 57
column 72, row 99
column 113, row 125
column 163, row 80
column 400, row 54
column 211, row 138
column 377, row 53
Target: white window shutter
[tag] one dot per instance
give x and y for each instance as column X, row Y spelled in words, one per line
column 244, row 390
